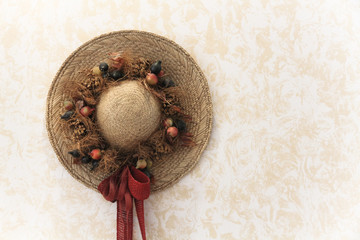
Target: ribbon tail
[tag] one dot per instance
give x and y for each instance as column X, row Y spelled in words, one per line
column 139, row 205
column 124, row 223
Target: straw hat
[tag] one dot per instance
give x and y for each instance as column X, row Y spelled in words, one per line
column 136, row 108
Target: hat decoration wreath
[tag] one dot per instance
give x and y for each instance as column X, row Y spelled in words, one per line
column 129, row 112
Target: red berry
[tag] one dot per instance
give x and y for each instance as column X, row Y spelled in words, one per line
column 151, row 79
column 86, row 111
column 172, row 131
column 95, row 154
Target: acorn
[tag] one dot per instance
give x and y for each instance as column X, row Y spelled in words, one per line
column 103, row 67
column 156, row 67
column 85, row 159
column 75, row 153
column 116, row 74
column 68, row 105
column 180, row 124
column 67, row 115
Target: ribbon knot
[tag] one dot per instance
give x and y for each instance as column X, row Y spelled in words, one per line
column 124, row 186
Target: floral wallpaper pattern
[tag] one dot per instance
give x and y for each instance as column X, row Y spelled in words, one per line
column 283, row 161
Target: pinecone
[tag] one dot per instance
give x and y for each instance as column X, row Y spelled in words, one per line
column 139, row 68
column 91, row 82
column 79, row 129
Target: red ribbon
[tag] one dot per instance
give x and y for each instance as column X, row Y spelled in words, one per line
column 124, row 186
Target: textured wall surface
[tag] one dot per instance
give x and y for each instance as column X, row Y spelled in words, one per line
column 283, row 161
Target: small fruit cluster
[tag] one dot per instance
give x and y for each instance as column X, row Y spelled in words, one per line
column 93, row 157
column 104, row 71
column 173, row 127
column 157, row 73
column 69, row 106
column 95, row 154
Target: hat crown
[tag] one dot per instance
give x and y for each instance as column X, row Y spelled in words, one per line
column 127, row 114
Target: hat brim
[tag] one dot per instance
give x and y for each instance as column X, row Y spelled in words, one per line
column 178, row 64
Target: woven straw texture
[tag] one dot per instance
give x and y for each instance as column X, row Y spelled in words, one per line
column 176, row 62
column 127, row 114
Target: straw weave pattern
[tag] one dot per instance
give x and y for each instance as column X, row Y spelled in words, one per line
column 127, row 114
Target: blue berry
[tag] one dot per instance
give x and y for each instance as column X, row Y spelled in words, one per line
column 116, row 74
column 85, row 159
column 103, row 67
column 180, row 124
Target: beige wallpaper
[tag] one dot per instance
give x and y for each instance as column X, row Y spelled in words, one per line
column 283, row 161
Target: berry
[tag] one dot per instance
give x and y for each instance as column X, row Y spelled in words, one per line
column 116, row 74
column 149, row 164
column 168, row 122
column 141, row 164
column 172, row 131
column 168, row 83
column 95, row 154
column 67, row 115
column 180, row 124
column 103, row 67
column 68, row 105
column 94, row 164
column 85, row 159
column 151, row 79
column 86, row 111
column 75, row 153
column 156, row 67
